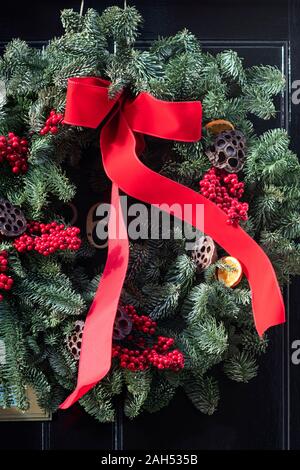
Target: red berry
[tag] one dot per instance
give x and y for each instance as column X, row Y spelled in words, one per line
column 51, row 123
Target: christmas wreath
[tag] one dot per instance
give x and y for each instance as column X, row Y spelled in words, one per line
column 183, row 315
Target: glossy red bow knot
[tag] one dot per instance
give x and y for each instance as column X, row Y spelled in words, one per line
column 124, row 122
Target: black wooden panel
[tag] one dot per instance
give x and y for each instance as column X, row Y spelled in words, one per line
column 75, row 429
column 294, row 298
column 22, row 435
column 213, row 19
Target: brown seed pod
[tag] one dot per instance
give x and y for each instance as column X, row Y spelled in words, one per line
column 74, row 340
column 123, row 324
column 219, row 125
column 12, row 220
column 204, row 252
column 227, row 151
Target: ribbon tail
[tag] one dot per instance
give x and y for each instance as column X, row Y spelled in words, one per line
column 133, row 177
column 95, row 356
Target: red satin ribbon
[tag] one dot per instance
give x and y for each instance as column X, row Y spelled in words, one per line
column 124, row 121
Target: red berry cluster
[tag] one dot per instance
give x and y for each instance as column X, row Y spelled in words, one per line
column 141, row 322
column 52, row 123
column 225, row 190
column 6, row 282
column 48, row 238
column 161, row 359
column 142, row 356
column 14, row 150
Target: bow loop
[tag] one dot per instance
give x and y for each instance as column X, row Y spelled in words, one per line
column 88, row 102
column 164, row 119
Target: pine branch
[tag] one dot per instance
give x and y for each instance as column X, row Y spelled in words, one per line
column 204, row 393
column 241, row 367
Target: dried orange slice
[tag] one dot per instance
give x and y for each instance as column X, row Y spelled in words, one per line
column 219, row 125
column 233, row 276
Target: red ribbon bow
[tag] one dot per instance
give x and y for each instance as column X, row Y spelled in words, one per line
column 124, row 121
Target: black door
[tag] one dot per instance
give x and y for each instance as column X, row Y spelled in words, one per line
column 265, row 413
